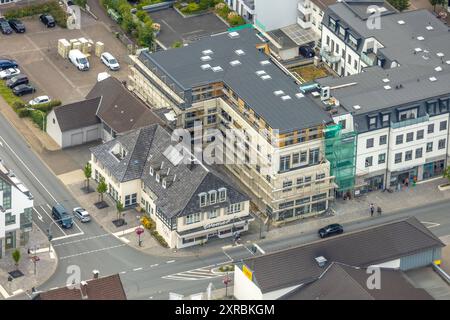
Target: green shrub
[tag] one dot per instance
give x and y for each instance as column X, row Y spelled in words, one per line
column 47, row 107
column 18, row 105
column 8, row 95
column 23, row 112
column 159, row 238
column 191, row 8
column 81, row 3
column 38, row 117
column 51, row 7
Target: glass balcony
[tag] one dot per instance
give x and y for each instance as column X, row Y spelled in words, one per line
column 330, row 57
column 369, row 58
column 409, row 122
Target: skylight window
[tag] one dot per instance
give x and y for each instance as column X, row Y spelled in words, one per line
column 266, row 77
column 438, row 69
column 217, row 69
column 401, row 22
column 207, row 52
column 233, row 35
column 418, row 50
column 386, row 80
column 205, row 66
column 206, row 58
column 429, row 28
column 387, row 87
column 357, row 107
column 284, row 98
column 420, row 38
column 235, row 63
column 299, row 95
column 278, row 92
column 440, row 54
column 260, row 72
column 447, row 62
column 264, row 62
column 239, row 52
column 433, row 79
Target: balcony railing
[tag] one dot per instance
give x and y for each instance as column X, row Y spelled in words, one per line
column 304, row 24
column 304, row 8
column 369, row 60
column 409, row 122
column 331, row 57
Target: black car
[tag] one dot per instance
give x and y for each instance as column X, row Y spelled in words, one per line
column 4, row 26
column 48, row 20
column 17, row 80
column 307, row 51
column 17, row 25
column 23, row 89
column 330, row 230
column 7, row 63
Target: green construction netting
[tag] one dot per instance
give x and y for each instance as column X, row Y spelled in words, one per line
column 340, row 151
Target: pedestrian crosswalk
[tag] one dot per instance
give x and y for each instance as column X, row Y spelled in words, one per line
column 196, row 274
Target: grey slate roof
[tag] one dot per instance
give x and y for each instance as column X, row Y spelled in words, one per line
column 363, row 248
column 77, row 115
column 119, row 108
column 145, row 148
column 343, row 282
column 183, row 67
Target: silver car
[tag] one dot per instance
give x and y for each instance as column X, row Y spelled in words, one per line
column 81, row 214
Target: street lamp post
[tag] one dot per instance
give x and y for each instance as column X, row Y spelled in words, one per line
column 43, row 116
column 226, row 281
column 139, row 231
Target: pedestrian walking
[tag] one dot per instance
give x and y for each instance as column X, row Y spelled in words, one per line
column 372, row 208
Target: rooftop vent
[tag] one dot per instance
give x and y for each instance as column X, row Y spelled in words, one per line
column 264, row 62
column 207, row 52
column 266, row 77
column 278, row 92
column 233, row 35
column 235, row 63
column 440, row 54
column 239, row 52
column 321, row 261
column 284, row 98
column 357, row 107
column 299, row 95
column 217, row 69
column 206, row 58
column 385, row 80
column 260, row 72
column 420, row 38
column 433, row 79
column 387, row 87
column 417, row 50
column 401, row 22
column 205, row 66
column 438, row 69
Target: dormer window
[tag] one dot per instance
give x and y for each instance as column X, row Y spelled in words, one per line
column 213, row 197
column 222, row 194
column 157, row 177
column 332, row 24
column 342, row 31
column 203, row 197
column 152, row 171
column 386, row 120
column 372, row 122
column 118, row 151
column 164, row 185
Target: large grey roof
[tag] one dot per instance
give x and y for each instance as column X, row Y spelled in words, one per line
column 78, row 114
column 363, row 248
column 183, row 67
column 146, row 147
column 343, row 282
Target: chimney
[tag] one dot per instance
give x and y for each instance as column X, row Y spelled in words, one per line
column 321, row 261
column 95, row 273
column 83, row 289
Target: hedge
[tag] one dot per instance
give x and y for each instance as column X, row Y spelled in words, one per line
column 47, row 107
column 159, row 238
column 8, row 95
column 23, row 112
column 51, row 7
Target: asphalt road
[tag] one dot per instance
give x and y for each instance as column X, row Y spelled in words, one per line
column 90, row 247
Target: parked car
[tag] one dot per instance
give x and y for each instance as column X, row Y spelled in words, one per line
column 5, row 27
column 47, row 20
column 17, row 25
column 81, row 214
column 9, row 73
column 16, row 80
column 7, row 64
column 79, row 59
column 330, row 230
column 111, row 62
column 307, row 51
column 39, row 100
column 23, row 89
column 61, row 216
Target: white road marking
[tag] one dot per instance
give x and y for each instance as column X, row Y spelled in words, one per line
column 38, row 215
column 68, row 236
column 430, row 224
column 124, row 232
column 54, row 288
column 170, row 261
column 51, row 218
column 26, row 167
column 19, row 291
column 80, row 240
column 3, row 292
column 173, row 277
column 154, row 265
column 92, row 251
column 137, row 269
column 259, row 248
column 123, row 272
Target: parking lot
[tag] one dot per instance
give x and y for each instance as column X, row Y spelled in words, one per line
column 36, row 53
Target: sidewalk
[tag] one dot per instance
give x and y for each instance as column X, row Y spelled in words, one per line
column 45, row 267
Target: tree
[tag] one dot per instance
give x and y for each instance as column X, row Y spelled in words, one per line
column 81, row 3
column 446, row 174
column 400, row 5
column 87, row 173
column 16, row 257
column 145, row 37
column 119, row 207
column 101, row 188
column 434, row 3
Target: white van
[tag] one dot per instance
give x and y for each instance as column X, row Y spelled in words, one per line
column 79, row 59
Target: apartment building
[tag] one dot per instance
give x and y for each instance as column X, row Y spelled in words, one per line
column 354, row 39
column 16, row 203
column 311, row 12
column 245, row 8
column 400, row 114
column 229, row 82
column 189, row 203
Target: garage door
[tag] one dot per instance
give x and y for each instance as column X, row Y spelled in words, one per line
column 76, row 138
column 92, row 135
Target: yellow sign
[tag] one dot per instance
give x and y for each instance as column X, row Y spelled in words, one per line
column 247, row 272
column 437, row 262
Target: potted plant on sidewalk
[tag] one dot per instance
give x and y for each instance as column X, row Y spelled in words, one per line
column 87, row 170
column 119, row 221
column 101, row 189
column 16, row 257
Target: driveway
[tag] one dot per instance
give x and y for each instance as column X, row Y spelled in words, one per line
column 36, row 53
